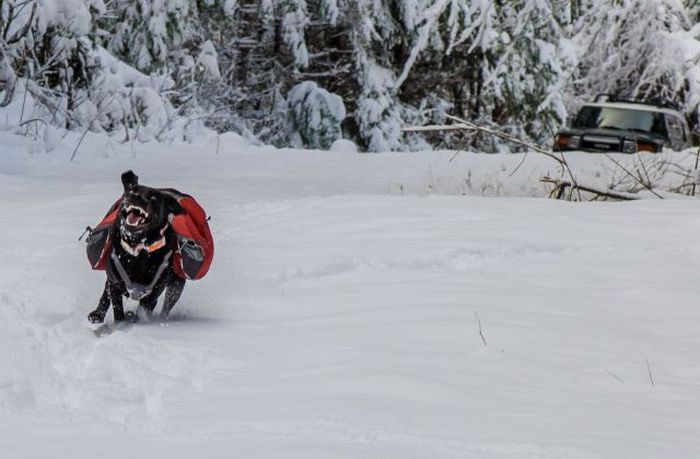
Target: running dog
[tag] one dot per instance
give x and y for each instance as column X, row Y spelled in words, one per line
column 137, row 251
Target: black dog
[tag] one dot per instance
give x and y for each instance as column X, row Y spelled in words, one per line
column 143, row 242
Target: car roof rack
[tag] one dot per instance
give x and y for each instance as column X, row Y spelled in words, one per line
column 603, row 97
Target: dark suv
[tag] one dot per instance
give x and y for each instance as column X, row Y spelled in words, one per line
column 610, row 125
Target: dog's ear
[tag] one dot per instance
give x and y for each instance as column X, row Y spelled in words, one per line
column 129, row 180
column 172, row 206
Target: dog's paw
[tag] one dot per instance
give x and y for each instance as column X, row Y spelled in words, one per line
column 131, row 317
column 96, row 316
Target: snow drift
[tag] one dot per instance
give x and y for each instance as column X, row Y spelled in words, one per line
column 359, row 306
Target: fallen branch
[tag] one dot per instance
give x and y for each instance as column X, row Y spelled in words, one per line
column 469, row 126
column 560, row 187
column 640, row 177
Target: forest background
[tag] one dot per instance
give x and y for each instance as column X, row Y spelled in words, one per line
column 306, row 73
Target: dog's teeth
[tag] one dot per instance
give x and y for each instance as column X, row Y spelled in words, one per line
column 138, row 209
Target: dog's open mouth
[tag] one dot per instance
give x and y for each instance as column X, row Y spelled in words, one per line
column 135, row 216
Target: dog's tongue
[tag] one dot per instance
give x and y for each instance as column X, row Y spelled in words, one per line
column 133, row 219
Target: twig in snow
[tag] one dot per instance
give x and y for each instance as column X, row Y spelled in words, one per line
column 560, row 187
column 481, row 331
column 695, row 179
column 133, row 149
column 87, row 128
column 636, row 179
column 651, row 377
column 455, row 155
column 80, row 141
column 644, row 169
column 614, row 375
column 24, row 97
column 522, row 161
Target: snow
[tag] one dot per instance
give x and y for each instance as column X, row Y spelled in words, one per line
column 341, row 314
column 72, row 14
column 208, row 60
column 344, row 146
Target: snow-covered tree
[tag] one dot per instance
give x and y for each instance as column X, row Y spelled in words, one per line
column 294, row 21
column 528, row 69
column 628, row 49
column 52, row 49
column 149, row 34
column 252, row 65
column 315, row 115
column 378, row 114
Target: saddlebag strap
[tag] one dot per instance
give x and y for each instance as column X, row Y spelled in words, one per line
column 137, row 291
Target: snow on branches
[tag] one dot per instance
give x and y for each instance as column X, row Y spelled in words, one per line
column 520, row 65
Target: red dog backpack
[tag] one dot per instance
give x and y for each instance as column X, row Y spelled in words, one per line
column 194, row 240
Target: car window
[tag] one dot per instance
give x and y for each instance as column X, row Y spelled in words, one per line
column 621, row 119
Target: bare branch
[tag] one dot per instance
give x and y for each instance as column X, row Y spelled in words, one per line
column 560, row 187
column 522, row 161
column 22, row 32
column 697, row 160
column 469, row 126
column 636, row 179
column 38, row 93
column 504, row 136
column 33, row 120
column 87, row 128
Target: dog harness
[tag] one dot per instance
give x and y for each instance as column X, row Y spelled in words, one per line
column 141, row 246
column 137, row 291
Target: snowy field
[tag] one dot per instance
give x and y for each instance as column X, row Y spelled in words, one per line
column 359, row 306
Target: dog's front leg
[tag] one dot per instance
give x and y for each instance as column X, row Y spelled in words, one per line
column 116, row 296
column 172, row 294
column 98, row 315
column 148, row 304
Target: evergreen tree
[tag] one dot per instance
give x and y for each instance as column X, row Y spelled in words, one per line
column 629, row 51
column 527, row 72
column 315, row 116
column 260, row 66
column 149, row 34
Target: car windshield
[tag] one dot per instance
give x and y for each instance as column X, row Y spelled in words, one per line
column 621, row 119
